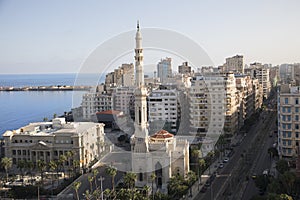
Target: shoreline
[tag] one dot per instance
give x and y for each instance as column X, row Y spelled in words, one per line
column 46, row 88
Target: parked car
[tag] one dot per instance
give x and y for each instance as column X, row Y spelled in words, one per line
column 221, row 165
column 203, row 189
column 226, row 160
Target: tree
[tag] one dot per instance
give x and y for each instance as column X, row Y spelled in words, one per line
column 6, row 163
column 201, row 166
column 62, row 159
column 41, row 167
column 129, row 180
column 95, row 173
column 76, row 165
column 177, row 186
column 88, row 195
column 54, row 115
column 76, row 185
column 191, row 178
column 90, row 179
column 53, row 167
column 112, row 172
column 45, row 119
column 69, row 156
column 282, row 166
column 153, row 178
column 288, row 179
column 21, row 166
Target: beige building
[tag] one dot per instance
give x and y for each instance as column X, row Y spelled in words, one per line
column 288, row 121
column 262, row 73
column 185, row 69
column 213, row 104
column 234, row 64
column 94, row 102
column 48, row 140
column 122, row 76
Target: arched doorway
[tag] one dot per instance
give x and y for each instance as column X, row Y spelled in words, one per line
column 159, row 175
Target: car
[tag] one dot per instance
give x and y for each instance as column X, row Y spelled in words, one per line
column 221, row 165
column 203, row 189
column 254, row 175
column 207, row 184
column 266, row 172
column 225, row 160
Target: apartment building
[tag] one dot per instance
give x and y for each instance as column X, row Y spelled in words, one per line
column 164, row 110
column 213, row 104
column 48, row 140
column 288, row 121
column 262, row 73
column 94, row 102
column 164, row 70
column 234, row 64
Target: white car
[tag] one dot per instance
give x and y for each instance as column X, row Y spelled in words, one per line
column 226, row 160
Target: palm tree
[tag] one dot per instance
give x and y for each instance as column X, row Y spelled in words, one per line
column 6, row 163
column 129, row 180
column 41, row 167
column 21, row 165
column 201, row 167
column 53, row 167
column 146, row 189
column 76, row 165
column 88, row 195
column 76, row 185
column 95, row 173
column 90, row 179
column 62, row 160
column 30, row 167
column 111, row 171
column 106, row 193
column 153, row 177
column 69, row 156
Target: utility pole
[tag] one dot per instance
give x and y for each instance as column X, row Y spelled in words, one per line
column 101, row 188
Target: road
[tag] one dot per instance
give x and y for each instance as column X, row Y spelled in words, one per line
column 230, row 178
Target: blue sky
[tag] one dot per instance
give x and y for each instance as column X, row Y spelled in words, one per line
column 55, row 36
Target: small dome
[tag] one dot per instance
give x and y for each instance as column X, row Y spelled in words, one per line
column 162, row 134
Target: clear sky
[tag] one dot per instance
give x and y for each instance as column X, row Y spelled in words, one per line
column 55, row 36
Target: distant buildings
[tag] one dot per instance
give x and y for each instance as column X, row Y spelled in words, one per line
column 185, row 69
column 288, row 121
column 262, row 73
column 48, row 140
column 164, row 70
column 234, row 64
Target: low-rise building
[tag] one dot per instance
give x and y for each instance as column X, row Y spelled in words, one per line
column 49, row 140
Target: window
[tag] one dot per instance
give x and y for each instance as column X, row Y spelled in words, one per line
column 283, row 109
column 297, row 135
column 296, row 110
column 286, row 100
column 289, row 110
column 289, row 134
column 14, row 152
column 297, row 117
column 296, row 101
column 289, row 142
column 297, row 126
column 288, row 118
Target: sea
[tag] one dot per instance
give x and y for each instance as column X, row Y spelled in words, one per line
column 19, row 108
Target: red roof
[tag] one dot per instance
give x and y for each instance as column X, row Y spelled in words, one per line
column 109, row 112
column 162, row 134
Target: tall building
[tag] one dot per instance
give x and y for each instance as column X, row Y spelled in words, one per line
column 262, row 73
column 159, row 153
column 48, row 140
column 235, row 64
column 123, row 100
column 213, row 104
column 164, row 110
column 288, row 121
column 185, row 68
column 122, row 76
column 164, row 70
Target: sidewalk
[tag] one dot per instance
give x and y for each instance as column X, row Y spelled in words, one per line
column 205, row 176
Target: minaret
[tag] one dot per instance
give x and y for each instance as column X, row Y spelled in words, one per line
column 140, row 124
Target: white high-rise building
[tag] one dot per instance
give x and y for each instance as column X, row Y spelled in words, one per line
column 164, row 70
column 164, row 110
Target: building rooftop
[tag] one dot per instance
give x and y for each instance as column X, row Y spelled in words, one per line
column 162, row 134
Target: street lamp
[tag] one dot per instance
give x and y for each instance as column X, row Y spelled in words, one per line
column 101, row 188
